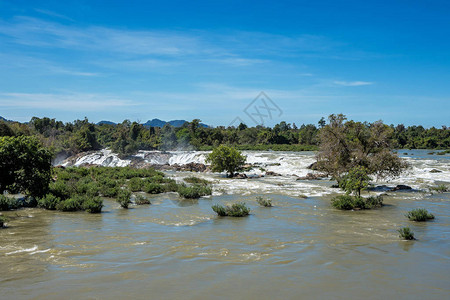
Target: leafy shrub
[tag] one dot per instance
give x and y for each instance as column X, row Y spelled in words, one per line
column 60, row 189
column 171, row 187
column 235, row 210
column 196, row 180
column 93, row 205
column 3, row 220
column 49, row 201
column 419, row 215
column 156, row 179
column 110, row 191
column 141, row 200
column 344, row 202
column 442, row 188
column 347, row 202
column 123, row 197
column 406, row 233
column 135, row 184
column 193, row 192
column 374, row 202
column 153, row 188
column 71, row 204
column 263, row 202
column 7, row 203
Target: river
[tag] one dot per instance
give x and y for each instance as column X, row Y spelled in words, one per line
column 301, row 248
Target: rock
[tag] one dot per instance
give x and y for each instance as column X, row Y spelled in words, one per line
column 312, row 176
column 435, row 171
column 240, row 176
column 313, row 166
column 270, row 173
column 401, row 187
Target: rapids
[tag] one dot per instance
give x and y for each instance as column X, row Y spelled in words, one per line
column 301, row 248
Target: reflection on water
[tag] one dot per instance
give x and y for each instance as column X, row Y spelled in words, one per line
column 178, row 249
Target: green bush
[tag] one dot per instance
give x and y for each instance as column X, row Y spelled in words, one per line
column 344, row 202
column 263, row 202
column 153, row 188
column 123, row 197
column 171, row 186
column 93, row 205
column 49, row 201
column 3, row 220
column 374, row 201
column 193, row 192
column 60, row 189
column 71, row 204
column 419, row 215
column 110, row 192
column 347, row 202
column 196, row 180
column 442, row 188
column 235, row 210
column 8, row 203
column 141, row 200
column 135, row 184
column 406, row 233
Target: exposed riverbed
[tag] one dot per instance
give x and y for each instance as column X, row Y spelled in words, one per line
column 179, row 249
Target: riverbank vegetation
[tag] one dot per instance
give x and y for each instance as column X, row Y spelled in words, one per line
column 127, row 137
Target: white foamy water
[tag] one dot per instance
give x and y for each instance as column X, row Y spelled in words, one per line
column 287, row 164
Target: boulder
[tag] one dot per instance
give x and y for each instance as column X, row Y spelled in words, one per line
column 435, row 171
column 240, row 176
column 313, row 166
column 401, row 187
column 270, row 173
column 312, row 176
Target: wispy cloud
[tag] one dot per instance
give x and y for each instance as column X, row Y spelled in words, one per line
column 63, row 102
column 353, row 83
column 52, row 14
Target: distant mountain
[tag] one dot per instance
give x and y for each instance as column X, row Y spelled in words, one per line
column 106, row 122
column 161, row 123
column 3, row 119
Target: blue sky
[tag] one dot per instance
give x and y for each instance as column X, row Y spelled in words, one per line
column 139, row 60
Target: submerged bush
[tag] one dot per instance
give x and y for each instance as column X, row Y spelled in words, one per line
column 123, row 197
column 235, row 210
column 71, row 204
column 49, row 201
column 141, row 200
column 374, row 202
column 193, row 192
column 171, row 186
column 8, row 203
column 347, row 202
column 153, row 188
column 3, row 220
column 110, row 192
column 344, row 202
column 196, row 180
column 442, row 188
column 419, row 215
column 93, row 205
column 406, row 233
column 263, row 202
column 135, row 184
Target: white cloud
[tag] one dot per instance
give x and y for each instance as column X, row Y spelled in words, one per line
column 353, row 83
column 63, row 102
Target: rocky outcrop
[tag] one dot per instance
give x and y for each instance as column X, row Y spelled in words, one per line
column 312, row 176
column 435, row 171
column 240, row 176
column 401, row 187
column 270, row 173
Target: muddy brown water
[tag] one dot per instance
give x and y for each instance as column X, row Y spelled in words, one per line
column 178, row 249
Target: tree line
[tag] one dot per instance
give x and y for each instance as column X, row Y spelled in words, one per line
column 127, row 137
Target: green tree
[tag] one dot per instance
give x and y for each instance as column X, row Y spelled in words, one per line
column 224, row 158
column 25, row 166
column 355, row 181
column 344, row 145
